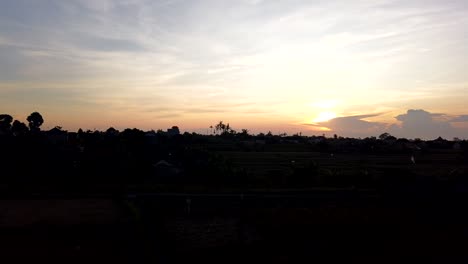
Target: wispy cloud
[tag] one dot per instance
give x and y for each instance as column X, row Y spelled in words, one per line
column 183, row 55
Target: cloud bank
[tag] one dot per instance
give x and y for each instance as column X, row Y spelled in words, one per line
column 415, row 123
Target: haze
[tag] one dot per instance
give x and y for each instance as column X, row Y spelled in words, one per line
column 354, row 68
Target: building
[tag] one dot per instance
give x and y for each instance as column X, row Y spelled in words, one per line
column 173, row 131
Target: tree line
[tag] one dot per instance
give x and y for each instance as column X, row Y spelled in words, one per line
column 18, row 128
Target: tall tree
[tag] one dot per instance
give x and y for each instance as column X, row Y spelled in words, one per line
column 5, row 123
column 221, row 127
column 19, row 128
column 35, row 121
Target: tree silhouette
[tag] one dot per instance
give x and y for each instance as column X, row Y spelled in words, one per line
column 5, row 123
column 224, row 129
column 112, row 131
column 35, row 121
column 221, row 127
column 244, row 133
column 19, row 128
column 386, row 136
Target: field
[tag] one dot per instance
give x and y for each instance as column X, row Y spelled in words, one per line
column 277, row 204
column 262, row 162
column 64, row 230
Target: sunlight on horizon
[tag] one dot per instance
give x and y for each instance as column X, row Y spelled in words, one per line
column 324, row 117
column 261, row 65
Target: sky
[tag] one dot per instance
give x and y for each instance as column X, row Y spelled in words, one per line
column 353, row 68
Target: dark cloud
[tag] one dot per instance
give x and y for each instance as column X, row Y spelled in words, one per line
column 422, row 124
column 354, row 126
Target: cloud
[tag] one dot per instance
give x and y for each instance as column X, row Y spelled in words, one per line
column 354, row 126
column 204, row 110
column 415, row 123
column 423, row 124
column 461, row 118
column 104, row 44
column 100, row 5
column 167, row 116
column 47, row 96
column 198, row 52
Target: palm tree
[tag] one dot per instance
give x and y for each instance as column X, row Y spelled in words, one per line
column 220, row 127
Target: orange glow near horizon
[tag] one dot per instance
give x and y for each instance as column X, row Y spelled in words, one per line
column 185, row 63
column 324, row 117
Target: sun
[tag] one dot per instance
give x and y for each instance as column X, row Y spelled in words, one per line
column 324, row 117
column 325, row 104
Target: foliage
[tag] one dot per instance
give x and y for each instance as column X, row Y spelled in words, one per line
column 5, row 123
column 35, row 121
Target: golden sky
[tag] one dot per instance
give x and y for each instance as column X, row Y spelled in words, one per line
column 354, row 68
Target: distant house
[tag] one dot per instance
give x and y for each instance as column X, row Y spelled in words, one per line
column 249, row 143
column 421, row 145
column 412, row 146
column 315, row 140
column 57, row 136
column 260, row 141
column 173, row 131
column 440, row 143
column 72, row 137
column 291, row 141
column 165, row 169
column 151, row 137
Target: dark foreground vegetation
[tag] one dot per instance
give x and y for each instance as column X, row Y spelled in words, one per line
column 137, row 196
